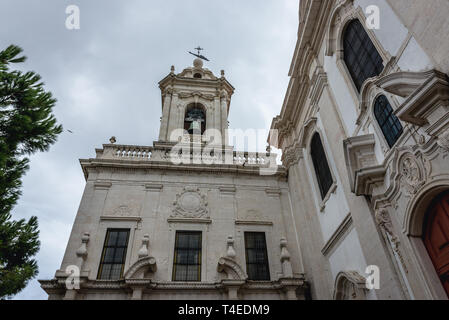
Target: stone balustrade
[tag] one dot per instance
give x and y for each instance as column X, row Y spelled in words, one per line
column 147, row 153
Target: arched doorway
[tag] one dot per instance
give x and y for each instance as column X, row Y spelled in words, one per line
column 436, row 237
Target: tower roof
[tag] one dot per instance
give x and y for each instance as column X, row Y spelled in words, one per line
column 195, row 77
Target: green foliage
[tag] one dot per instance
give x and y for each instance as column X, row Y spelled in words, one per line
column 27, row 125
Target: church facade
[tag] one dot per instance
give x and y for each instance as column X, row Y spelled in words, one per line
column 187, row 218
column 359, row 208
column 364, row 132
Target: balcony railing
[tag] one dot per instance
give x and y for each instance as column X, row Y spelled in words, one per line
column 147, row 153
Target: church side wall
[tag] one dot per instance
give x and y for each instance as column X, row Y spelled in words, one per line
column 347, row 235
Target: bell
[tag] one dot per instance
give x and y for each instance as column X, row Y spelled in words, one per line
column 195, row 127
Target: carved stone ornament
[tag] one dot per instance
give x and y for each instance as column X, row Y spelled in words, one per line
column 190, row 203
column 383, row 219
column 443, row 140
column 123, row 211
column 410, row 174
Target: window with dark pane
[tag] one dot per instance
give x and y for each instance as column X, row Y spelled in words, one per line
column 388, row 122
column 187, row 260
column 256, row 256
column 322, row 170
column 114, row 254
column 360, row 55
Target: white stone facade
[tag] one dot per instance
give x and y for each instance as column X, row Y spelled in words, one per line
column 318, row 246
column 375, row 210
column 143, row 190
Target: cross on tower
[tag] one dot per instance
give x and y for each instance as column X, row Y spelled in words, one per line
column 199, row 55
column 199, row 49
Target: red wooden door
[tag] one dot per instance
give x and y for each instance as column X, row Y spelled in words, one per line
column 436, row 237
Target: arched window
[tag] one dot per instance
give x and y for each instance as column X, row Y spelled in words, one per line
column 195, row 120
column 322, row 170
column 388, row 122
column 360, row 54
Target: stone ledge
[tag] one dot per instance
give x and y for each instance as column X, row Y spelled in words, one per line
column 186, row 220
column 339, row 234
column 120, row 218
column 257, row 223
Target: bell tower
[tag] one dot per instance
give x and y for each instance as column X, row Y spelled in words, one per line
column 195, row 104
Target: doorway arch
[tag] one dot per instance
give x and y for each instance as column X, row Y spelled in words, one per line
column 435, row 235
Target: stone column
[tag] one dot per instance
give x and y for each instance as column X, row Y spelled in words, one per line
column 165, row 115
column 224, row 117
column 217, row 113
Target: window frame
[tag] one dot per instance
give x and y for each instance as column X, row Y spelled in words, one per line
column 267, row 276
column 370, row 52
column 106, row 246
column 199, row 260
column 191, row 107
column 324, row 195
column 391, row 115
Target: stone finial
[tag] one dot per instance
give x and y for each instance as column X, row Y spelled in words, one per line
column 230, row 252
column 143, row 251
column 268, row 149
column 112, row 140
column 222, row 73
column 285, row 259
column 172, row 69
column 82, row 250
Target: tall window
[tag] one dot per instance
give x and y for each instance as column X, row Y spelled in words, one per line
column 195, row 120
column 322, row 170
column 114, row 254
column 187, row 260
column 256, row 256
column 360, row 54
column 388, row 122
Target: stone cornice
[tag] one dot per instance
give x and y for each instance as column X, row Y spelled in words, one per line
column 310, row 36
column 98, row 164
column 58, row 285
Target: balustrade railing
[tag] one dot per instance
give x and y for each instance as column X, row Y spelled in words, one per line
column 146, row 153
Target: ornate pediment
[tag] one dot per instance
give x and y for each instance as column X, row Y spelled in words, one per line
column 190, row 203
column 427, row 102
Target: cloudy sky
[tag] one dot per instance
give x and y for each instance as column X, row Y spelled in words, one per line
column 105, row 77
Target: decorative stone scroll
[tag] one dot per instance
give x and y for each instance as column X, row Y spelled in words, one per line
column 229, row 265
column 232, row 269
